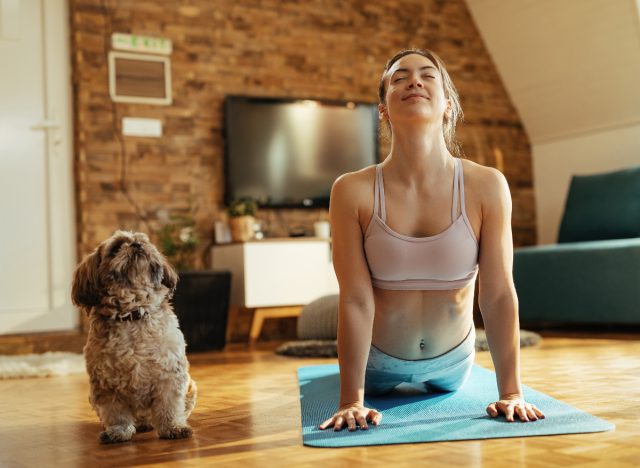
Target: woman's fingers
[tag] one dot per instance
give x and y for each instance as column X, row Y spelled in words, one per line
column 492, row 411
column 352, row 418
column 327, row 423
column 522, row 413
column 351, row 421
column 526, row 412
column 374, row 416
column 362, row 422
column 508, row 412
column 337, row 426
column 538, row 413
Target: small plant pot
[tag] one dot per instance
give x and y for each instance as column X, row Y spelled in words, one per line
column 241, row 228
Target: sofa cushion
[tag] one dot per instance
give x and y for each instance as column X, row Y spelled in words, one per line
column 602, row 206
column 579, row 282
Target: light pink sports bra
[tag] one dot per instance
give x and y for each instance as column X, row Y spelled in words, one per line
column 448, row 260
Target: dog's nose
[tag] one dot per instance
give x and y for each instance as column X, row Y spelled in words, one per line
column 136, row 245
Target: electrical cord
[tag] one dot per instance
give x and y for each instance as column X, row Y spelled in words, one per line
column 122, row 184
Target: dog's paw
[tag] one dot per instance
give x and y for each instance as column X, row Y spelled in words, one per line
column 179, row 432
column 140, row 428
column 114, row 436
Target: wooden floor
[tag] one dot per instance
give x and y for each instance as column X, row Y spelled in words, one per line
column 248, row 412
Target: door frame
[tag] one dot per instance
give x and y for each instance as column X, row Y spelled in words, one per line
column 60, row 161
column 59, row 203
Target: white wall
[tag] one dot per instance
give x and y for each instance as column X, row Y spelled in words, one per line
column 555, row 161
column 572, row 69
column 569, row 66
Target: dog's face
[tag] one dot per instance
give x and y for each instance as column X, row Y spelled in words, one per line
column 125, row 261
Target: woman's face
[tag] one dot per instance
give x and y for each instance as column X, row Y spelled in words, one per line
column 415, row 92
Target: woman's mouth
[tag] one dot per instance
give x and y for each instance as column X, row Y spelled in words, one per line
column 415, row 96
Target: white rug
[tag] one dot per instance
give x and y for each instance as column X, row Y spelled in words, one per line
column 41, row 365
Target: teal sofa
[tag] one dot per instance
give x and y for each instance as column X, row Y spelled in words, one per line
column 592, row 275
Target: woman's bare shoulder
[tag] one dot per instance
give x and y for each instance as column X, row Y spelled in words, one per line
column 473, row 168
column 487, row 186
column 484, row 181
column 355, row 186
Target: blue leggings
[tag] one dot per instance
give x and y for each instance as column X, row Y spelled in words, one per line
column 447, row 372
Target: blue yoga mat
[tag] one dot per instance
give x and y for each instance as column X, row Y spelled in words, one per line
column 409, row 415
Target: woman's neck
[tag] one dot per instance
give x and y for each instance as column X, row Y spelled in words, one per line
column 419, row 155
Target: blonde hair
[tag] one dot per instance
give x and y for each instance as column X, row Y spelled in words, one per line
column 450, row 92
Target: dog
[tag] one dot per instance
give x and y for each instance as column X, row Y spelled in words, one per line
column 135, row 351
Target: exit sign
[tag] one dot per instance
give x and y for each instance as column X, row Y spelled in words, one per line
column 131, row 42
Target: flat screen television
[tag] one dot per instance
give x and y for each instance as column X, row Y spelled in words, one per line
column 286, row 153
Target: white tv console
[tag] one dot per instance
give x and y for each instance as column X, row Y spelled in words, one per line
column 275, row 277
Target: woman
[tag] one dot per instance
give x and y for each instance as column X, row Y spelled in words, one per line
column 409, row 237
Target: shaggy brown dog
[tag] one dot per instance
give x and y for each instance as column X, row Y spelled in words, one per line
column 135, row 351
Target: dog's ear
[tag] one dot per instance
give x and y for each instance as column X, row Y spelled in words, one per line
column 86, row 290
column 169, row 276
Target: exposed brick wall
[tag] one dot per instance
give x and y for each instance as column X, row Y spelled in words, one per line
column 304, row 48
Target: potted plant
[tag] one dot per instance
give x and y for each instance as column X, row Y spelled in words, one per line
column 178, row 241
column 201, row 298
column 242, row 218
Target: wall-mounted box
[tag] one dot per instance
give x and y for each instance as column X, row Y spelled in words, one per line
column 139, row 78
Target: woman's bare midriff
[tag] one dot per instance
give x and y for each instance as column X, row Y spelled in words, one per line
column 405, row 319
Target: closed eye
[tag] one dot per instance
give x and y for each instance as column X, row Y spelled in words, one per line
column 423, row 76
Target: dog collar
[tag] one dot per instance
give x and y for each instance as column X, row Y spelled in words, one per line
column 129, row 316
column 133, row 315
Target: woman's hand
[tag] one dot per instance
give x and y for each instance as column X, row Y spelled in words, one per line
column 352, row 413
column 514, row 404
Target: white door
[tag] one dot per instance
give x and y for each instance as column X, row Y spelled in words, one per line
column 37, row 252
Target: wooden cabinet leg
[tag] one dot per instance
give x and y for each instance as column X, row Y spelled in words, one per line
column 256, row 326
column 232, row 320
column 260, row 314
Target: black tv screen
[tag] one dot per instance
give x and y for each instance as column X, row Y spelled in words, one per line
column 288, row 152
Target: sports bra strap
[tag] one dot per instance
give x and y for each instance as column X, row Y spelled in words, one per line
column 380, row 194
column 456, row 178
column 376, row 191
column 463, row 210
column 458, row 192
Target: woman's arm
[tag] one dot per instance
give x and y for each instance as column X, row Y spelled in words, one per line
column 497, row 297
column 356, row 305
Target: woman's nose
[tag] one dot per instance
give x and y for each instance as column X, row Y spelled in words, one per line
column 415, row 82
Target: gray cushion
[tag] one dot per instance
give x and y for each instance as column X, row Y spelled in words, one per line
column 319, row 319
